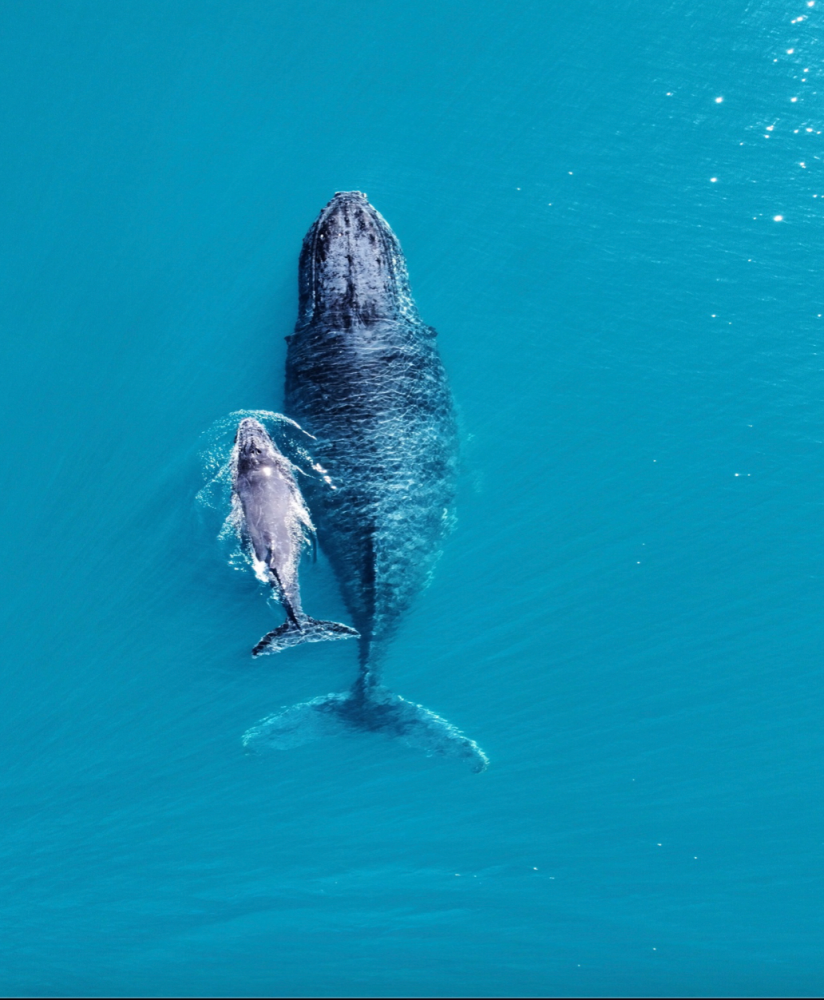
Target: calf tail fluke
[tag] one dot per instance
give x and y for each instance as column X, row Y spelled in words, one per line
column 373, row 708
column 293, row 633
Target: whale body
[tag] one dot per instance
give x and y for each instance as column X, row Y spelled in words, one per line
column 275, row 525
column 364, row 377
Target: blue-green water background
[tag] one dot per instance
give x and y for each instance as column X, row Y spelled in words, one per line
column 628, row 616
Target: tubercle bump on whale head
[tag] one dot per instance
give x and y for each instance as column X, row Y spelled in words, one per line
column 352, row 268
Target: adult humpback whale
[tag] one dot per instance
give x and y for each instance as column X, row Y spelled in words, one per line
column 364, row 377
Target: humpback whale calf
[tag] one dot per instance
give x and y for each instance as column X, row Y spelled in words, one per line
column 274, row 523
column 363, row 375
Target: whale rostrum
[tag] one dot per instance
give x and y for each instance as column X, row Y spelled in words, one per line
column 275, row 525
column 364, row 377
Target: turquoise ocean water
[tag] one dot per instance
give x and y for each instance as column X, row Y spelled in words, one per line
column 613, row 215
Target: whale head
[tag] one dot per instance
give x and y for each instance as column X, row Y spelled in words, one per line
column 352, row 268
column 254, row 446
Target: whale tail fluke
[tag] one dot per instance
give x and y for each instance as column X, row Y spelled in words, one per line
column 376, row 709
column 304, row 629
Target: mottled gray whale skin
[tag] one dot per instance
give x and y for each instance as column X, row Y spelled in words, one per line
column 274, row 523
column 363, row 376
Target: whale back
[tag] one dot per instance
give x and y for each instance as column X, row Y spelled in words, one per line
column 363, row 375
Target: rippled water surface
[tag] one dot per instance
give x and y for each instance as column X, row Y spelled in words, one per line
column 612, row 213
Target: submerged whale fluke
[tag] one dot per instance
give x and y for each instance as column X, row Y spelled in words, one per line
column 376, row 710
column 303, row 630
